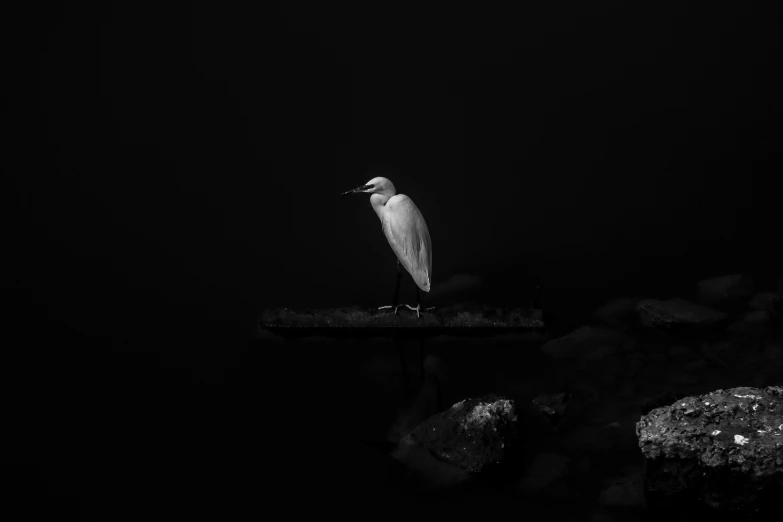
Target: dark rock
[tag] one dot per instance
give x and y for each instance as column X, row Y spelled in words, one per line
column 768, row 301
column 723, row 450
column 741, row 355
column 726, row 289
column 552, row 406
column 676, row 312
column 750, row 322
column 471, row 435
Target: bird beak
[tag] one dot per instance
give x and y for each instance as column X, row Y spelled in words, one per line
column 357, row 189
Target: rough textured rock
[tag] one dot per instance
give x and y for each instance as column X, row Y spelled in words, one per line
column 725, row 289
column 723, row 449
column 675, row 312
column 355, row 317
column 471, row 434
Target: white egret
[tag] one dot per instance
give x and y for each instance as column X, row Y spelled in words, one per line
column 407, row 233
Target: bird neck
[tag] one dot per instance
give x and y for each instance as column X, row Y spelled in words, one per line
column 378, row 202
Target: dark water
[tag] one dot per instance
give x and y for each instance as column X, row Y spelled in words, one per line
column 558, row 472
column 223, row 427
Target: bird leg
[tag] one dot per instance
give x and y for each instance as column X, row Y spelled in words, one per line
column 395, row 306
column 419, row 310
column 418, row 304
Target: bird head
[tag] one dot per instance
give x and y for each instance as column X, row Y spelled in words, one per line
column 375, row 186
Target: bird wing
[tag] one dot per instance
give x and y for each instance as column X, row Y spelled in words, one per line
column 407, row 233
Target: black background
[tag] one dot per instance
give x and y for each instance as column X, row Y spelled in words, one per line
column 177, row 169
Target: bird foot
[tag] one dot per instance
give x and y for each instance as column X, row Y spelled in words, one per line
column 418, row 309
column 396, row 307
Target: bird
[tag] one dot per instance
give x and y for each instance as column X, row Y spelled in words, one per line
column 405, row 229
